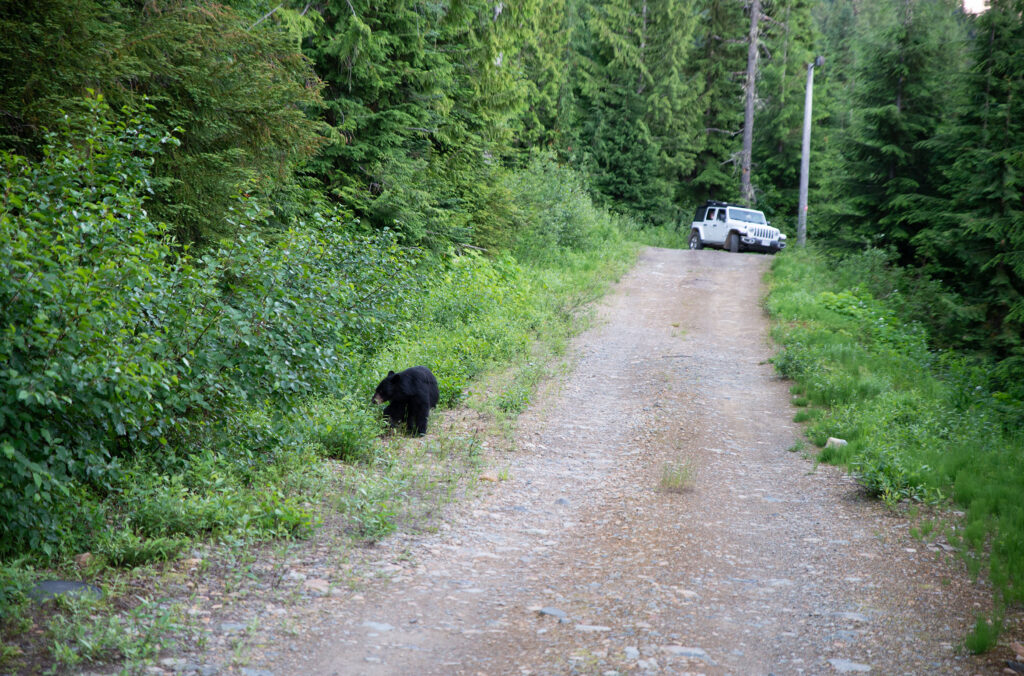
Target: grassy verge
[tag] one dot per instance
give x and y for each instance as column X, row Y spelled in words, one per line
column 923, row 426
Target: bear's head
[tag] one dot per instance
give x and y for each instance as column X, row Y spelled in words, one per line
column 387, row 388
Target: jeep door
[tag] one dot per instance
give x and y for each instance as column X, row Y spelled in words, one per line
column 714, row 226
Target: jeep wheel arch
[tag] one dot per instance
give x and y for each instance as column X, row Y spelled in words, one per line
column 695, row 240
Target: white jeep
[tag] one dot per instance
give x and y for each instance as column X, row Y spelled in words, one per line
column 732, row 227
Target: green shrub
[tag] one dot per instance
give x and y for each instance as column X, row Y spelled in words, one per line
column 126, row 549
column 117, row 344
column 556, row 213
column 343, row 427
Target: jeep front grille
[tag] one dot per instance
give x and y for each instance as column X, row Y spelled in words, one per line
column 764, row 233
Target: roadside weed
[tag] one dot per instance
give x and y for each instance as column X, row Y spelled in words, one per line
column 93, row 632
column 984, row 635
column 676, row 476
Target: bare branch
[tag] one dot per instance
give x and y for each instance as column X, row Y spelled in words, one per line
column 264, row 17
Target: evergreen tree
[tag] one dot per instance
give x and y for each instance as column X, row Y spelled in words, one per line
column 720, row 60
column 235, row 90
column 905, row 61
column 833, row 106
column 389, row 87
column 674, row 113
column 423, row 100
column 545, row 61
column 638, row 115
column 617, row 148
column 789, row 36
column 977, row 241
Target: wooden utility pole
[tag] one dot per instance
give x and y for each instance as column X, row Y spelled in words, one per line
column 750, row 89
column 805, row 155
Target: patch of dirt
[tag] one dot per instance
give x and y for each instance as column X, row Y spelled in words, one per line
column 581, row 562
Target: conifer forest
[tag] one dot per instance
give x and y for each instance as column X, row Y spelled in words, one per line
column 222, row 221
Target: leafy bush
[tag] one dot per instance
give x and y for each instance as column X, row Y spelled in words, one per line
column 556, row 213
column 81, row 268
column 342, row 426
column 477, row 311
column 118, row 344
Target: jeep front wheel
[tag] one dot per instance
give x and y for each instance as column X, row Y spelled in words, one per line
column 732, row 242
column 695, row 242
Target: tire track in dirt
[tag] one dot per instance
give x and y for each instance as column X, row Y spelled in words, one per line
column 580, row 563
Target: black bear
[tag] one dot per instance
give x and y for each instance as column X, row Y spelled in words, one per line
column 412, row 393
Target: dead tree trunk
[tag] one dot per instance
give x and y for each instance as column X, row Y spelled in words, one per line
column 750, row 89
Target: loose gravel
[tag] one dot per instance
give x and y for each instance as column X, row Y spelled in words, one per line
column 654, row 519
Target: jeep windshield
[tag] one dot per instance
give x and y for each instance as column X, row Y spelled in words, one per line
column 747, row 216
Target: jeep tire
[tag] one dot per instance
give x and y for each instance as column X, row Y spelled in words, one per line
column 695, row 242
column 732, row 242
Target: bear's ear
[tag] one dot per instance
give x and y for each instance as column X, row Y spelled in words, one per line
column 390, row 373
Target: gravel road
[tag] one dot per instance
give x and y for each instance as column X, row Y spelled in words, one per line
column 582, row 561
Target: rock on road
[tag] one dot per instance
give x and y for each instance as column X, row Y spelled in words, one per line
column 582, row 562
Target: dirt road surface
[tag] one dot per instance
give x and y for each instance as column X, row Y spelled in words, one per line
column 582, row 561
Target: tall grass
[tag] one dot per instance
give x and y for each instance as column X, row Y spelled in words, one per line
column 922, row 424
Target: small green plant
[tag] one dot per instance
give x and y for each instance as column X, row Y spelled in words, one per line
column 516, row 398
column 676, row 476
column 345, row 428
column 85, row 631
column 984, row 635
column 16, row 578
column 127, row 549
column 804, row 416
column 368, row 501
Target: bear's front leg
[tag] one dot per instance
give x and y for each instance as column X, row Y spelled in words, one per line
column 396, row 414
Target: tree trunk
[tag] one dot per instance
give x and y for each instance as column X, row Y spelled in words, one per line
column 746, row 189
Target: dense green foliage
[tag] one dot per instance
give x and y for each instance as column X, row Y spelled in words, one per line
column 922, row 154
column 922, row 425
column 222, row 221
column 117, row 347
column 236, row 95
column 790, row 40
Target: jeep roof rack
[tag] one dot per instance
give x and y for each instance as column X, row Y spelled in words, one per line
column 715, row 203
